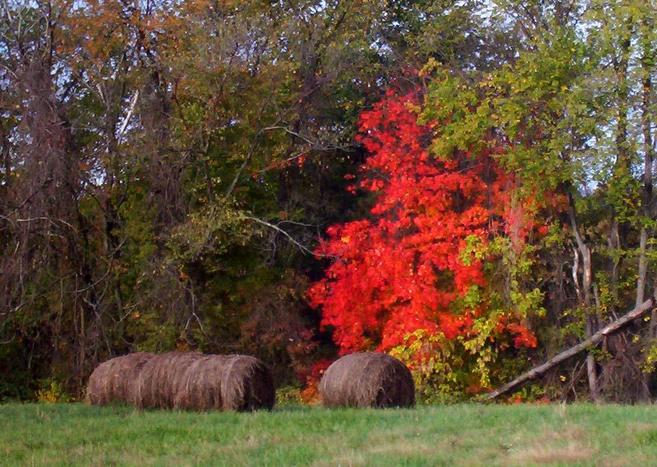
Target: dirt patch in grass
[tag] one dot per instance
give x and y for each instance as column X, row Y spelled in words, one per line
column 403, row 447
column 348, row 459
column 570, row 453
column 555, row 447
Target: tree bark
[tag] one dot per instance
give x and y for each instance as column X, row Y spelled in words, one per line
column 584, row 296
column 648, row 160
column 611, row 328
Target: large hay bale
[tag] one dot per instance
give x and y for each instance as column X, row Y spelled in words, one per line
column 184, row 381
column 115, row 379
column 230, row 382
column 158, row 379
column 367, row 379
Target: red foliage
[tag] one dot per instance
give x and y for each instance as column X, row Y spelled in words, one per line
column 523, row 337
column 402, row 268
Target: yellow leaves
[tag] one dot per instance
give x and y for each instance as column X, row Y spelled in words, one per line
column 345, row 239
column 431, row 65
column 53, row 393
column 413, row 107
column 650, row 359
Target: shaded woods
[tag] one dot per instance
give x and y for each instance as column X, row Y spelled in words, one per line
column 168, row 169
column 151, row 161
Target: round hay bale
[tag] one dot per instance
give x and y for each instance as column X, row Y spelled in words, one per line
column 158, row 380
column 115, row 379
column 367, row 379
column 183, row 381
column 247, row 384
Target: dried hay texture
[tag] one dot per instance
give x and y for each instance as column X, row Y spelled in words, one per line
column 115, row 380
column 367, row 379
column 191, row 381
column 158, row 380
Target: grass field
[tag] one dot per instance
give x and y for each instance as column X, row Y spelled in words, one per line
column 65, row 434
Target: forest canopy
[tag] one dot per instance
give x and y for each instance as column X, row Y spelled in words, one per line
column 464, row 184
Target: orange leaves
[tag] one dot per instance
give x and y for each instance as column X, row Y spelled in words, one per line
column 312, row 378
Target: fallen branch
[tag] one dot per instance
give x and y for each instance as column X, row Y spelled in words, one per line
column 571, row 352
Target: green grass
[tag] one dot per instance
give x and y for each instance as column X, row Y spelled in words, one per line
column 66, row 434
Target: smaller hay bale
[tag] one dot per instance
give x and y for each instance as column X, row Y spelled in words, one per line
column 115, row 380
column 367, row 379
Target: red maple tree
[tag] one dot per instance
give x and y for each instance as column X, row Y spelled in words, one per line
column 404, row 267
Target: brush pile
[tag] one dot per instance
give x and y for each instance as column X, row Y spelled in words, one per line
column 367, row 379
column 190, row 381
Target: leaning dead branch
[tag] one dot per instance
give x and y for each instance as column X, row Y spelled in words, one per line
column 586, row 344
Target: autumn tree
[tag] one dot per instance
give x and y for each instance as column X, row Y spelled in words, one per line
column 411, row 278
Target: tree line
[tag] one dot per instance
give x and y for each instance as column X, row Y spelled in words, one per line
column 191, row 175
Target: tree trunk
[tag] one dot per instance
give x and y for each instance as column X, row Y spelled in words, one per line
column 622, row 167
column 584, row 296
column 648, row 160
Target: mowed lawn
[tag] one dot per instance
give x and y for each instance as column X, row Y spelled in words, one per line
column 66, row 434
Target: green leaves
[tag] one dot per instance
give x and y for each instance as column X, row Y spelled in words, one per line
column 209, row 234
column 532, row 111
